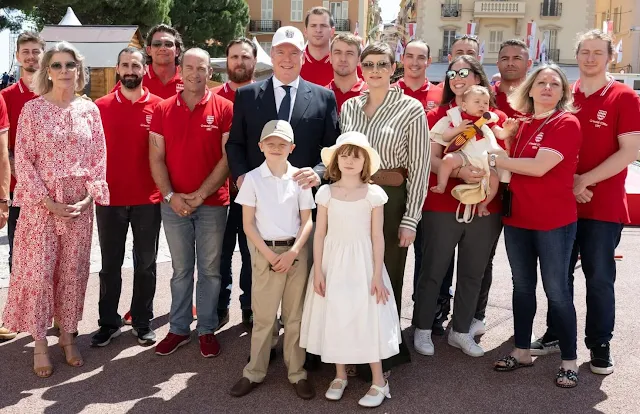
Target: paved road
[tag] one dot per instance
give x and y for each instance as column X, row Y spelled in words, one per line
column 127, row 378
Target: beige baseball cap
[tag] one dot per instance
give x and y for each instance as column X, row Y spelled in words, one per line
column 277, row 128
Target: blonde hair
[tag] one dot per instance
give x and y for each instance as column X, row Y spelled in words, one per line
column 595, row 34
column 520, row 100
column 41, row 82
column 476, row 90
column 333, row 172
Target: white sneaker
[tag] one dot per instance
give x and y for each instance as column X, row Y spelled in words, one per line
column 371, row 401
column 477, row 328
column 422, row 341
column 334, row 394
column 466, row 343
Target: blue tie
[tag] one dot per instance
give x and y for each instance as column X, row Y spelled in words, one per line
column 285, row 105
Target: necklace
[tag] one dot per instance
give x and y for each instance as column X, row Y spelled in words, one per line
column 347, row 193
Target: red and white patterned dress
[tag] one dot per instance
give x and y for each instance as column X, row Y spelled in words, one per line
column 59, row 153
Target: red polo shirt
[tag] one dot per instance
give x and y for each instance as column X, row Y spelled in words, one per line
column 357, row 89
column 193, row 141
column 155, row 85
column 546, row 203
column 15, row 96
column 445, row 202
column 605, row 116
column 315, row 71
column 126, row 129
column 225, row 91
column 429, row 95
column 4, row 117
column 503, row 103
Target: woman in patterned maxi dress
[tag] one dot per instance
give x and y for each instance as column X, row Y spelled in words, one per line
column 60, row 163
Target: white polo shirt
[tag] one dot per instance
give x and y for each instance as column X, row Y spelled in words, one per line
column 278, row 202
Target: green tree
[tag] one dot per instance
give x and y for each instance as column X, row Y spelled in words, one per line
column 9, row 18
column 209, row 24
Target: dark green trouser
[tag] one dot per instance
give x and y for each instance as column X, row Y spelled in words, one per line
column 395, row 258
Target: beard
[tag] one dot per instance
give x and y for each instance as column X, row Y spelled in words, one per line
column 240, row 74
column 131, row 82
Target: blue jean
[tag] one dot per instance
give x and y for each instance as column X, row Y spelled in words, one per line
column 596, row 243
column 195, row 239
column 553, row 249
column 233, row 229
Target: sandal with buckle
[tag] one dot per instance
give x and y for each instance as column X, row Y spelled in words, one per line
column 510, row 364
column 335, row 394
column 43, row 371
column 568, row 374
column 372, row 401
column 74, row 361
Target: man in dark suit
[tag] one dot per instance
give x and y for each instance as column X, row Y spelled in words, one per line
column 310, row 109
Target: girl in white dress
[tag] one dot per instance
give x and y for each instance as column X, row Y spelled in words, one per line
column 349, row 315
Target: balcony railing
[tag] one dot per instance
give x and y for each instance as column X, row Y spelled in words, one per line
column 443, row 55
column 265, row 26
column 342, row 25
column 499, row 9
column 550, row 9
column 554, row 55
column 450, row 10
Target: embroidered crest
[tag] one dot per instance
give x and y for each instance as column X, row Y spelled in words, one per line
column 539, row 137
column 179, row 87
column 601, row 115
column 210, row 119
column 148, row 119
column 288, row 33
column 431, row 104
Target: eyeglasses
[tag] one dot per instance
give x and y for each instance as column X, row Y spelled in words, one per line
column 462, row 73
column 381, row 66
column 67, row 66
column 167, row 43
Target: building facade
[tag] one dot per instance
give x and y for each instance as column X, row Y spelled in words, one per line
column 439, row 22
column 269, row 15
column 625, row 16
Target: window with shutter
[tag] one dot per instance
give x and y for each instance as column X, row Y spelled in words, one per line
column 495, row 40
column 266, row 12
column 296, row 10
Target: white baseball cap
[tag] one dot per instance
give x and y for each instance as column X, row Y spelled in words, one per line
column 288, row 34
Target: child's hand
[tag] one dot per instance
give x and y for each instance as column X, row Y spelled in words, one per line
column 511, row 126
column 379, row 290
column 319, row 285
column 463, row 126
column 284, row 261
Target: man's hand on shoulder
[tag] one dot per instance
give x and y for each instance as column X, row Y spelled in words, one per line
column 306, row 178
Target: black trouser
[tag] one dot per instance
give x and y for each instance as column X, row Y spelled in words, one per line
column 113, row 225
column 14, row 213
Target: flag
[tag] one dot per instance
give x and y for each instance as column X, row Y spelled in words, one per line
column 619, row 52
column 538, row 49
column 544, row 53
column 355, row 32
column 471, row 28
column 531, row 37
column 607, row 26
column 481, row 57
column 411, row 30
column 399, row 50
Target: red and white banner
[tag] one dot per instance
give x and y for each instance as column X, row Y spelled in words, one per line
column 411, row 30
column 531, row 39
column 355, row 32
column 471, row 28
column 607, row 26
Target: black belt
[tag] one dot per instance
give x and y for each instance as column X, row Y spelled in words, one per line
column 280, row 243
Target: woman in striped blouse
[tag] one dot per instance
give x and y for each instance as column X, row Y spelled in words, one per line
column 396, row 127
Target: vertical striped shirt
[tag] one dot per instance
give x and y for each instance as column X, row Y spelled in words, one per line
column 398, row 131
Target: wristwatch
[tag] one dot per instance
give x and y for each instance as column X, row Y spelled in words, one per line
column 167, row 198
column 492, row 160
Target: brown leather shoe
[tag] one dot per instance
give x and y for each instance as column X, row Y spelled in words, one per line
column 243, row 387
column 304, row 389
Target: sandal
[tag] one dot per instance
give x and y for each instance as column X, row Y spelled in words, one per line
column 43, row 371
column 568, row 374
column 352, row 370
column 510, row 364
column 74, row 361
column 386, row 374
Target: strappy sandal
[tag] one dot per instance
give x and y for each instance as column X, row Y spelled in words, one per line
column 568, row 374
column 351, row 370
column 73, row 361
column 510, row 364
column 44, row 371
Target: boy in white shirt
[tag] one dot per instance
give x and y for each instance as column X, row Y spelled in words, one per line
column 276, row 214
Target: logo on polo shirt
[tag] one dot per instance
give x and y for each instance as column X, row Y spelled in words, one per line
column 539, row 137
column 209, row 126
column 179, row 87
column 210, row 119
column 431, row 104
column 599, row 121
column 148, row 119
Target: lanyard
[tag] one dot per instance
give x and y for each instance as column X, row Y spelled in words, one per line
column 532, row 135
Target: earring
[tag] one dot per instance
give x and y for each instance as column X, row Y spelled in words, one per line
column 49, row 78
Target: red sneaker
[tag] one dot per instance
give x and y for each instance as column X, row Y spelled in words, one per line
column 126, row 319
column 209, row 346
column 171, row 343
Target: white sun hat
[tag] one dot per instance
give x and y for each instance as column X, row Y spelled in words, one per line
column 352, row 138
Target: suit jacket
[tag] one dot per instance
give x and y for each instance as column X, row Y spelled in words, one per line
column 314, row 121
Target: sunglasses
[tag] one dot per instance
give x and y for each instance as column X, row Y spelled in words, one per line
column 381, row 66
column 67, row 66
column 466, row 36
column 462, row 73
column 167, row 43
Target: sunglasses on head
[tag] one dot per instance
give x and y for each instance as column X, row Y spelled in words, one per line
column 466, row 36
column 462, row 73
column 369, row 66
column 159, row 43
column 68, row 65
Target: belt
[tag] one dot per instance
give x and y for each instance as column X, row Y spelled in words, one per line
column 280, row 243
column 393, row 177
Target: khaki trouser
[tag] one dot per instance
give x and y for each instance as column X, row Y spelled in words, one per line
column 268, row 290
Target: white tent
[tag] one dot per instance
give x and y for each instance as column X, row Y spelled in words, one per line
column 70, row 19
column 263, row 61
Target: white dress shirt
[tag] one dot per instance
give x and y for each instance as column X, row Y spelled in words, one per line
column 278, row 202
column 279, row 93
